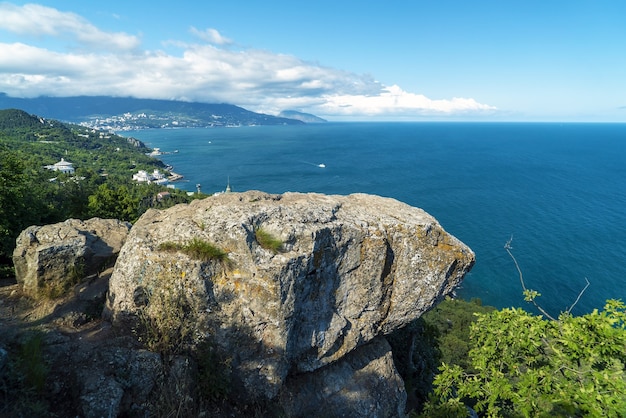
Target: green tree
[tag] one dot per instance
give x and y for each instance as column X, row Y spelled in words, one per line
column 117, row 203
column 20, row 200
column 440, row 335
column 452, row 319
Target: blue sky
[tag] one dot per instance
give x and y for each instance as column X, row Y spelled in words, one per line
column 342, row 60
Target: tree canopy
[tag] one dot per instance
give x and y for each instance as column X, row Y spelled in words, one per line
column 527, row 366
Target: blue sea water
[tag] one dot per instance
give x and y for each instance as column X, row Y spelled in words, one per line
column 558, row 189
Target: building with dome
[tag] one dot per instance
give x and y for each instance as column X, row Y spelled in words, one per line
column 63, row 166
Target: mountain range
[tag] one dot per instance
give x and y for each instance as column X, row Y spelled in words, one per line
column 127, row 113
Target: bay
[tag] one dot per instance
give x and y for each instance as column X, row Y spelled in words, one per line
column 558, row 189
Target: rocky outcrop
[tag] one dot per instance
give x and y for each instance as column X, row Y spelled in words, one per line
column 350, row 270
column 46, row 256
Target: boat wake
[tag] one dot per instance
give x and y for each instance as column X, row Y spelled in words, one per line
column 320, row 165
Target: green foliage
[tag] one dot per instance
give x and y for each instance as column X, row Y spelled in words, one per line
column 525, row 365
column 197, row 249
column 114, row 203
column 12, row 119
column 204, row 251
column 267, row 240
column 23, row 378
column 441, row 334
column 530, row 295
column 21, row 195
column 7, row 272
column 31, row 362
column 214, row 372
column 452, row 319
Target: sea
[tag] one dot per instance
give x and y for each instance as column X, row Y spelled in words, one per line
column 558, row 191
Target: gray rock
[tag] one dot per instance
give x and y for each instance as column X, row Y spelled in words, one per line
column 351, row 269
column 363, row 383
column 46, row 255
column 115, row 381
column 101, row 397
column 4, row 359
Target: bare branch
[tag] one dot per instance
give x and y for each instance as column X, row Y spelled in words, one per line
column 579, row 295
column 508, row 249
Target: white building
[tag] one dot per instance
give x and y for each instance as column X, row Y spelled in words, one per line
column 156, row 177
column 63, row 166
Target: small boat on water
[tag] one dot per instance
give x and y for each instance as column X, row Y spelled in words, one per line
column 322, row 165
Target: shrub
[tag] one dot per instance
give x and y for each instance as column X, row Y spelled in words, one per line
column 214, row 372
column 163, row 330
column 441, row 334
column 170, row 322
column 452, row 319
column 23, row 377
column 525, row 365
column 167, row 320
column 31, row 363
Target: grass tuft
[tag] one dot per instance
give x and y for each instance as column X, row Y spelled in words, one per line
column 267, row 240
column 197, row 249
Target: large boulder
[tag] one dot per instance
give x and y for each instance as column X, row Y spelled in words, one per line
column 350, row 269
column 47, row 255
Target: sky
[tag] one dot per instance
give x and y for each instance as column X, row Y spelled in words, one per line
column 343, row 60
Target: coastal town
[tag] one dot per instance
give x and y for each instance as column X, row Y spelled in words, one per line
column 131, row 121
column 142, row 176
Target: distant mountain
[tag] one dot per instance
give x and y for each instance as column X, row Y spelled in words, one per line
column 304, row 117
column 126, row 113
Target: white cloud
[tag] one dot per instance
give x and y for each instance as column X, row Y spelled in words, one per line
column 211, row 35
column 394, row 100
column 257, row 80
column 37, row 20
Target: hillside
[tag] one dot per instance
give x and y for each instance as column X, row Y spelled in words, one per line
column 126, row 113
column 11, row 119
column 99, row 183
column 48, row 140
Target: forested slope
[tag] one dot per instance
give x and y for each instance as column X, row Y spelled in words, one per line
column 101, row 185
